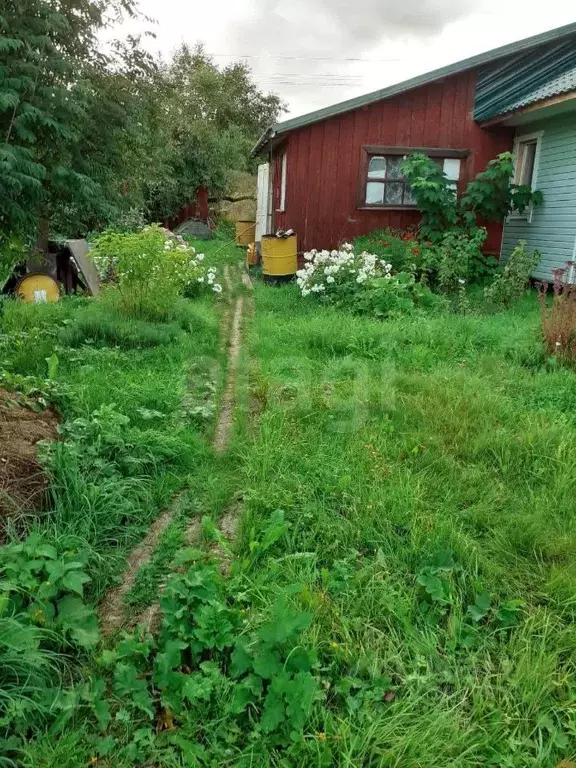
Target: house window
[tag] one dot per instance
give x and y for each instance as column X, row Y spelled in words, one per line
column 526, row 156
column 526, row 151
column 283, row 167
column 384, row 185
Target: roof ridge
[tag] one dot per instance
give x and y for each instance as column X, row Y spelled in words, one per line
column 414, row 82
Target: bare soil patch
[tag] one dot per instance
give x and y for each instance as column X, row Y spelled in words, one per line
column 23, row 483
column 224, row 425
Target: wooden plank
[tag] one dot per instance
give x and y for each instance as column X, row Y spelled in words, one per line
column 447, row 113
column 79, row 251
column 328, row 196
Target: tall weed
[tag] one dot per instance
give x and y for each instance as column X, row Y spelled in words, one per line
column 558, row 319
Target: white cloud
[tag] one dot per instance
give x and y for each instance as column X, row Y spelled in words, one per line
column 308, row 50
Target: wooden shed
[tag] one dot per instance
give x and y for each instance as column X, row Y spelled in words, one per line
column 335, row 173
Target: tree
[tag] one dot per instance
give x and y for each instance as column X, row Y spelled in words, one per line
column 88, row 135
column 47, row 51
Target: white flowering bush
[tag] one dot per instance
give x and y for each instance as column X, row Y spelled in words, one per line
column 150, row 269
column 363, row 282
column 328, row 272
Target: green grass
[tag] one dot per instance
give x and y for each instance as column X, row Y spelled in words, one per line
column 126, row 390
column 388, row 444
column 426, row 472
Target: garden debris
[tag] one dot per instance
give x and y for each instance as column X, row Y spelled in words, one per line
column 23, row 483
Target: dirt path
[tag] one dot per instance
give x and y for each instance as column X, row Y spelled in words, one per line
column 112, row 606
column 225, row 419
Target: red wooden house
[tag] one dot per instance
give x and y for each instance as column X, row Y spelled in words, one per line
column 335, row 173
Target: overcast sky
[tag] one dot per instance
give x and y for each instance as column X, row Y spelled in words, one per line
column 318, row 52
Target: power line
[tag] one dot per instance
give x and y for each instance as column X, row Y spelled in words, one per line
column 299, row 58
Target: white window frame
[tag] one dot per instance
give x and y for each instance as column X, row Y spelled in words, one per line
column 526, row 137
column 283, row 173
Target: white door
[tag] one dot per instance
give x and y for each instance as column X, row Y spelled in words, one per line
column 263, row 207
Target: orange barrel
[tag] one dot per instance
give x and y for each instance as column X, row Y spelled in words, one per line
column 279, row 255
column 245, row 232
column 251, row 255
column 37, row 288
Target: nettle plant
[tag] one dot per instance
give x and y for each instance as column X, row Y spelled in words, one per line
column 150, row 269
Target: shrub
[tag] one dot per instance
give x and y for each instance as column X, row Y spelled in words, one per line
column 491, row 195
column 46, row 587
column 558, row 321
column 396, row 248
column 361, row 282
column 509, row 285
column 150, row 269
column 454, row 258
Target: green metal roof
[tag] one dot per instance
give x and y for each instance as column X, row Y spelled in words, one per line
column 524, row 79
column 561, row 84
column 452, row 69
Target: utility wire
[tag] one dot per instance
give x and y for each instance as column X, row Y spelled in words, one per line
column 299, row 58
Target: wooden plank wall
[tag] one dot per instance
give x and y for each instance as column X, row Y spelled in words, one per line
column 324, row 159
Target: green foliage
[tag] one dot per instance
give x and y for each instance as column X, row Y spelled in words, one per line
column 47, row 586
column 46, row 55
column 95, row 131
column 390, row 298
column 491, row 195
column 436, row 199
column 11, row 252
column 510, row 283
column 101, row 328
column 362, row 283
column 396, row 248
column 150, row 269
column 455, row 257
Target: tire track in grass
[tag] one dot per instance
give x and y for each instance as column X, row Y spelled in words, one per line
column 111, row 610
column 228, row 523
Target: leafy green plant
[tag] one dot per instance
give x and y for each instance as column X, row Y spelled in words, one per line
column 454, row 258
column 396, row 248
column 100, row 328
column 493, row 196
column 490, row 196
column 435, row 197
column 510, row 283
column 150, row 269
column 47, row 587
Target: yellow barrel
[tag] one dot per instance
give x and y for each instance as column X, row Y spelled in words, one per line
column 279, row 255
column 245, row 232
column 38, row 288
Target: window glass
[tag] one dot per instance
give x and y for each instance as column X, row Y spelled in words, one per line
column 394, row 167
column 386, row 185
column 377, row 168
column 452, row 168
column 374, row 193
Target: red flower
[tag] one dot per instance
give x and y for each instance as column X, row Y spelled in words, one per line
column 385, row 243
column 416, row 251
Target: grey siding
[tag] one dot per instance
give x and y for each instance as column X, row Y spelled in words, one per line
column 553, row 227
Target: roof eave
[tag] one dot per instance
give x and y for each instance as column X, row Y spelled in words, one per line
column 265, row 139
